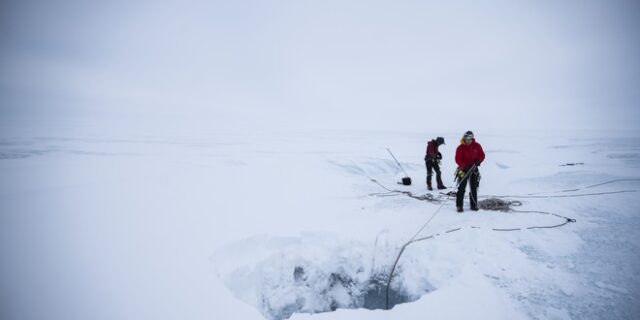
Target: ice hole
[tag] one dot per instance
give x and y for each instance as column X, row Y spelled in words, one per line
column 283, row 277
column 329, row 292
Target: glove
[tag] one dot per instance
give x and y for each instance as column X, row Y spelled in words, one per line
column 461, row 173
column 478, row 163
column 439, row 156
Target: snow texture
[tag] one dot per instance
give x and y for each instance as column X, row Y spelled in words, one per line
column 281, row 225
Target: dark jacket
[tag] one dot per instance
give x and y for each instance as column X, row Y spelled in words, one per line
column 432, row 151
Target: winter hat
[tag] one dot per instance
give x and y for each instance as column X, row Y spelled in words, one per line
column 440, row 140
column 468, row 134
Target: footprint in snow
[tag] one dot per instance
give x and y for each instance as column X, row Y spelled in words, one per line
column 502, row 165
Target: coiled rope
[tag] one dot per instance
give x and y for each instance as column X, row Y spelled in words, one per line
column 496, row 204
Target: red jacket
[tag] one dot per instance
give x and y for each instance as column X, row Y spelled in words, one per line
column 467, row 155
column 432, row 150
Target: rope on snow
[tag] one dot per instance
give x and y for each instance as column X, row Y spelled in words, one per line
column 494, row 203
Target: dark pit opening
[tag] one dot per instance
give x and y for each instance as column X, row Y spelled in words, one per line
column 280, row 276
column 338, row 290
column 375, row 296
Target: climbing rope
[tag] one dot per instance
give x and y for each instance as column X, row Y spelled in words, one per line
column 430, row 197
column 493, row 203
column 395, row 192
column 586, row 187
column 496, row 204
column 611, row 181
column 563, row 195
column 414, row 238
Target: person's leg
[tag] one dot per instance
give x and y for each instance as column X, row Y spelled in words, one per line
column 436, row 168
column 429, row 174
column 473, row 184
column 460, row 195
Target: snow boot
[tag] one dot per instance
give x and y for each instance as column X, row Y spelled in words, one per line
column 460, row 209
column 474, row 208
column 440, row 184
column 429, row 187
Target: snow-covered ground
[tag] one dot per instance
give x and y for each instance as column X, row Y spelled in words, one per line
column 264, row 224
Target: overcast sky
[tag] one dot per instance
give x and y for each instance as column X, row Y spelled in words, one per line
column 423, row 65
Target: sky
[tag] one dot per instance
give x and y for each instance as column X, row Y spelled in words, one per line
column 74, row 67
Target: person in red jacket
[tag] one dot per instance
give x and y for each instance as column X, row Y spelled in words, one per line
column 469, row 156
column 432, row 160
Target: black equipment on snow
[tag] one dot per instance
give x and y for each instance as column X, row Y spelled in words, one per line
column 406, row 180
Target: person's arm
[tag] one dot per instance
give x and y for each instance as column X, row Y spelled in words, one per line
column 480, row 155
column 459, row 157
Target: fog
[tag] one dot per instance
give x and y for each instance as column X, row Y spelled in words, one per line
column 162, row 67
column 138, row 137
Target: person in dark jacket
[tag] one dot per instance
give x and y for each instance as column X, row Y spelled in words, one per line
column 469, row 156
column 432, row 160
